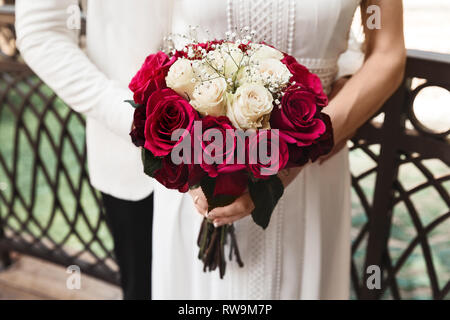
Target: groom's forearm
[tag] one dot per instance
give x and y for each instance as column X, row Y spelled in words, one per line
column 51, row 50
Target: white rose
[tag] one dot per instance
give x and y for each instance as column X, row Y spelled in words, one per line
column 262, row 51
column 209, row 97
column 227, row 59
column 181, row 78
column 250, row 107
column 273, row 69
column 267, row 72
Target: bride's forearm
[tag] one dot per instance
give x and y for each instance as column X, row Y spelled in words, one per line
column 364, row 94
column 380, row 75
column 358, row 100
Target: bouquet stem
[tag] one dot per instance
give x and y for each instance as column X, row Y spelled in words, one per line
column 212, row 241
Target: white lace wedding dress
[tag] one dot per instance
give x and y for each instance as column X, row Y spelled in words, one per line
column 305, row 251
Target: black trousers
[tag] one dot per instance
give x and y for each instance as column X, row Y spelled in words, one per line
column 131, row 227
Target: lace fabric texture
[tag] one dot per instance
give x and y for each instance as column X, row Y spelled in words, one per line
column 274, row 23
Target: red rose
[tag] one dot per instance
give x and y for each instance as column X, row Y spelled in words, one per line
column 179, row 177
column 167, row 112
column 231, row 184
column 196, row 174
column 173, row 176
column 137, row 134
column 208, row 46
column 298, row 156
column 197, row 48
column 302, row 76
column 275, row 151
column 151, row 76
column 297, row 118
column 325, row 143
column 226, row 147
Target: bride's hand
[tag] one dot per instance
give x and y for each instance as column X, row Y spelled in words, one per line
column 200, row 201
column 240, row 208
column 243, row 206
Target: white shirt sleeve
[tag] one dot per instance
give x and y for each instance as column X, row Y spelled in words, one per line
column 351, row 60
column 51, row 50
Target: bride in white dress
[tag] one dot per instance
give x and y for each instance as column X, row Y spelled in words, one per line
column 305, row 251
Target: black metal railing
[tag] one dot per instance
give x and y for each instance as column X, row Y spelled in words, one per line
column 401, row 141
column 49, row 210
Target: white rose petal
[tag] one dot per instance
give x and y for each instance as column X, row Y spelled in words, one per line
column 250, row 107
column 262, row 51
column 267, row 72
column 180, row 78
column 209, row 97
column 275, row 69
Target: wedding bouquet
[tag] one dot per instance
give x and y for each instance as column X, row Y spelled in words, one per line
column 227, row 115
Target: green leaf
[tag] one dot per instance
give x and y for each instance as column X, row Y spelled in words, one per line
column 265, row 195
column 208, row 184
column 134, row 104
column 151, row 163
column 195, row 186
column 252, row 177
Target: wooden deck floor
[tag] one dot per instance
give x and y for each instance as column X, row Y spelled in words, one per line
column 34, row 279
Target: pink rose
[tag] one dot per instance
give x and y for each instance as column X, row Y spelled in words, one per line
column 298, row 118
column 302, row 76
column 167, row 112
column 276, row 154
column 151, row 76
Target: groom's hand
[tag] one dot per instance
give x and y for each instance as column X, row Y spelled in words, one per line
column 240, row 208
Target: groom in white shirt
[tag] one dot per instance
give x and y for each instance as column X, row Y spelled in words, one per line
column 94, row 82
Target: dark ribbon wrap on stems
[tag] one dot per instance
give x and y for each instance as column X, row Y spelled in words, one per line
column 211, row 241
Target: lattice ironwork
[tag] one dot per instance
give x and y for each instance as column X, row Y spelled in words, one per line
column 400, row 147
column 48, row 208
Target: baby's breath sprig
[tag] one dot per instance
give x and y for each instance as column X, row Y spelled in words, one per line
column 209, row 59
